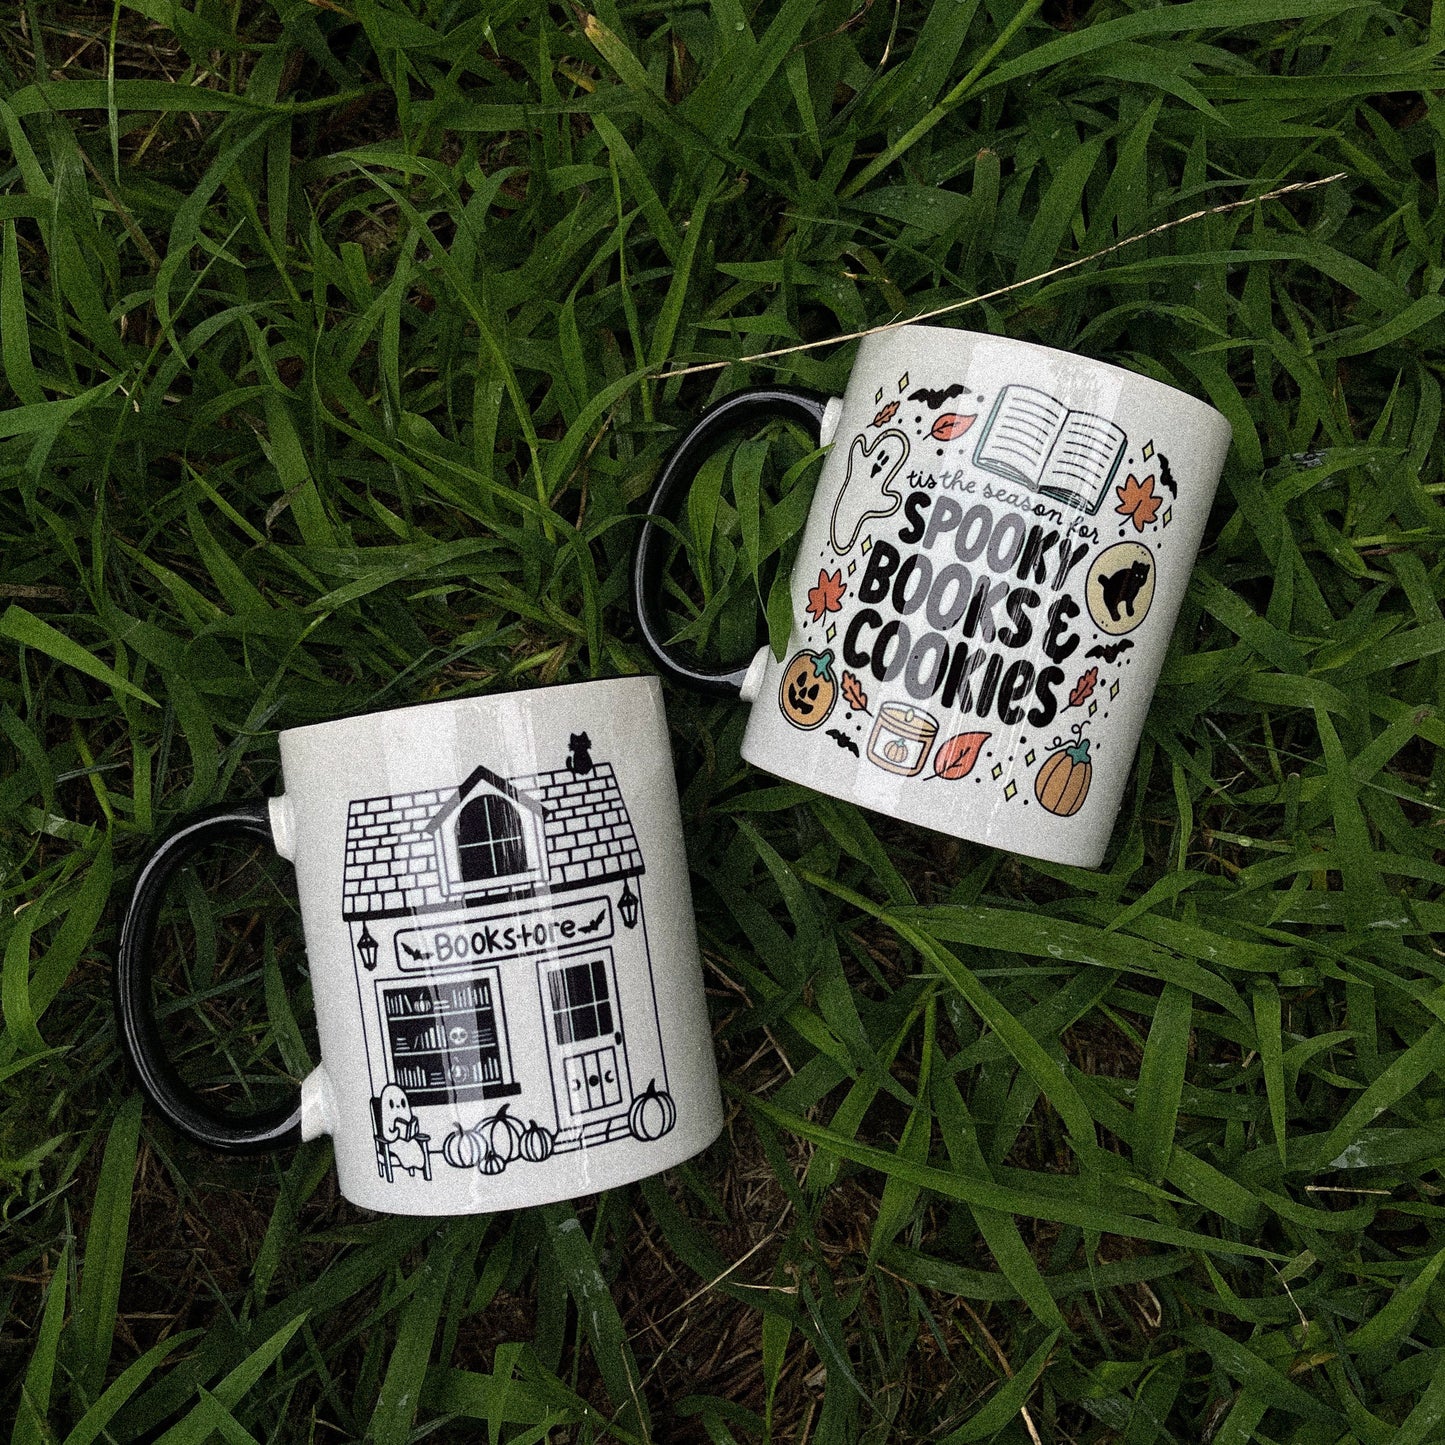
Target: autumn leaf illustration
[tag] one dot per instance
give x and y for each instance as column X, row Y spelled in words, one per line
column 853, row 692
column 887, row 414
column 1084, row 688
column 950, row 425
column 827, row 596
column 1137, row 500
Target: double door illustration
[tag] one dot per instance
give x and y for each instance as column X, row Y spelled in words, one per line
column 585, row 1037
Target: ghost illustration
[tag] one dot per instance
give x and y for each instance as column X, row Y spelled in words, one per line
column 398, row 1128
column 867, row 489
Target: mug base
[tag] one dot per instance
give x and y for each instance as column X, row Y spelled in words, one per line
column 572, row 1176
column 1006, row 835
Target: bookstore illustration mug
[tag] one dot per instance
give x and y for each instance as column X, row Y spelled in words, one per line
column 495, row 904
column 986, row 584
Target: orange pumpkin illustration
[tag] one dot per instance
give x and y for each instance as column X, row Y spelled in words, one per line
column 808, row 689
column 1063, row 781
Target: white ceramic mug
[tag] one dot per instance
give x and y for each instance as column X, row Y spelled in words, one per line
column 983, row 596
column 495, row 903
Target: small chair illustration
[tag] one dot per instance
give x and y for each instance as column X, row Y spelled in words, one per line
column 386, row 1164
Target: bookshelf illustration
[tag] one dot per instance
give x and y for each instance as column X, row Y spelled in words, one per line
column 448, row 1041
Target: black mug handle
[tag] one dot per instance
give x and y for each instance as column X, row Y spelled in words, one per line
column 743, row 408
column 140, row 1035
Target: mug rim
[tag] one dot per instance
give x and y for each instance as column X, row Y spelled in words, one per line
column 960, row 333
column 476, row 697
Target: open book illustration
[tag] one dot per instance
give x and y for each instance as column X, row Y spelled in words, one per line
column 1033, row 438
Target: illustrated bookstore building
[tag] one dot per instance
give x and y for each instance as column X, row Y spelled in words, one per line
column 502, row 961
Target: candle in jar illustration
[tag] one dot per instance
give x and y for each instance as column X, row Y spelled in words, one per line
column 503, row 969
column 902, row 738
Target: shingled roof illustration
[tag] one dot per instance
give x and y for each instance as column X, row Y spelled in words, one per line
column 396, row 852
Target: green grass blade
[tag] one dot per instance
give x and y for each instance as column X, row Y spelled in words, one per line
column 1161, row 1081
column 34, row 1409
column 1270, row 1037
column 119, row 1392
column 23, row 627
column 1006, row 1402
column 103, row 1267
column 598, row 1316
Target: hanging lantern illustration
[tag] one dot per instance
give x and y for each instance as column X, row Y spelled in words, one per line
column 368, row 948
column 627, row 906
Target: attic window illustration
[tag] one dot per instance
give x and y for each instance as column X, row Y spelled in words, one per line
column 490, row 842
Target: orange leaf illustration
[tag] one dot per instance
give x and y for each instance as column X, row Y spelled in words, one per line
column 955, row 759
column 887, row 414
column 853, row 691
column 1084, row 688
column 827, row 596
column 1137, row 500
column 950, row 425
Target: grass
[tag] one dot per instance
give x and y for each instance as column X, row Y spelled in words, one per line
column 328, row 336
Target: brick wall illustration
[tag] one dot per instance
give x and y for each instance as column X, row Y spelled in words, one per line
column 395, row 860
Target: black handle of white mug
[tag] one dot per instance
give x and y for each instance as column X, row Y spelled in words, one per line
column 743, row 408
column 140, row 1035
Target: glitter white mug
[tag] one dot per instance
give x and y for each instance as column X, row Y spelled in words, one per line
column 984, row 592
column 499, row 928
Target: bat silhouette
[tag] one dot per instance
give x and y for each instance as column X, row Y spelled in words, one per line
column 415, row 953
column 1166, row 477
column 844, row 741
column 1110, row 652
column 936, row 399
column 594, row 925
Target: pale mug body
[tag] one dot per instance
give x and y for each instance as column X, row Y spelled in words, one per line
column 498, row 925
column 985, row 588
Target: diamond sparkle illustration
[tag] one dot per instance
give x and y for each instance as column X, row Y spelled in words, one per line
column 852, row 568
column 903, row 381
column 831, row 633
column 1030, row 756
column 1168, row 515
column 878, row 396
column 1093, row 708
column 1010, row 790
column 1114, row 689
column 998, row 770
column 1148, row 450
column 867, row 546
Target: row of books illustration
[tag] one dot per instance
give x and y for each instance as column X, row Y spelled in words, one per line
column 479, row 1032
column 450, row 1074
column 455, row 998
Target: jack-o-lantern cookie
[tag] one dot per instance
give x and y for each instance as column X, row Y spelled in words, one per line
column 808, row 689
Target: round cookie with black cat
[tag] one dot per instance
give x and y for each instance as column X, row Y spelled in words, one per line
column 1120, row 587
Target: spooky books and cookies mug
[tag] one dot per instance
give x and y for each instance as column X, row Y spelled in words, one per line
column 499, row 931
column 985, row 587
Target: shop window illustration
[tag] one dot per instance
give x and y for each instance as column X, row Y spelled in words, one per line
column 449, row 1042
column 499, row 932
column 490, row 841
